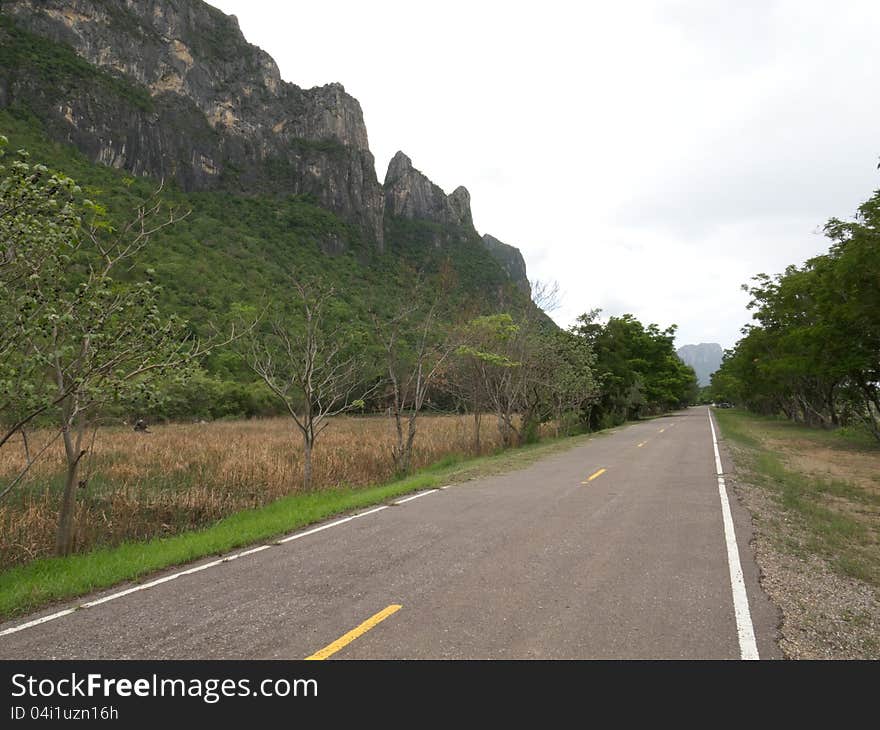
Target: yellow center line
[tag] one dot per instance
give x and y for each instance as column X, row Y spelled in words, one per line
column 346, row 639
column 593, row 476
column 662, row 430
column 642, row 444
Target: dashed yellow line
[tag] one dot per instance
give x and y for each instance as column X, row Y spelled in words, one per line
column 641, row 444
column 662, row 430
column 594, row 475
column 360, row 630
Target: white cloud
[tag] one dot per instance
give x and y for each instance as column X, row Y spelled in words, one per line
column 650, row 156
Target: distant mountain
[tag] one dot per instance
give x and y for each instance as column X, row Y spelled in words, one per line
column 704, row 358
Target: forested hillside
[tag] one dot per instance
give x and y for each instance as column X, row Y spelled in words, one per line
column 227, row 253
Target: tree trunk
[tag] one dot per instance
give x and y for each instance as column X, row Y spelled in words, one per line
column 478, row 447
column 307, row 463
column 410, row 439
column 506, row 428
column 65, row 536
column 397, row 451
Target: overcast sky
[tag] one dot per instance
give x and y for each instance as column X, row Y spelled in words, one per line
column 649, row 156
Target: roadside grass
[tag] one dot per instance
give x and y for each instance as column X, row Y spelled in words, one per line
column 837, row 518
column 32, row 586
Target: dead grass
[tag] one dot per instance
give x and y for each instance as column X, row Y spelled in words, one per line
column 185, row 476
column 861, row 468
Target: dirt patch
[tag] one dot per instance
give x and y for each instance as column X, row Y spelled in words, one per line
column 861, row 469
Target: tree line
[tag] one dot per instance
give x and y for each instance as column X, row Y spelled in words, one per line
column 84, row 341
column 813, row 352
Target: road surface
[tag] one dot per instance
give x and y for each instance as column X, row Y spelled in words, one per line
column 614, row 549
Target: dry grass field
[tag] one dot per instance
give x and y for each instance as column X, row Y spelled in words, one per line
column 184, row 476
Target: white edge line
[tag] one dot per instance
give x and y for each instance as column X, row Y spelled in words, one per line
column 37, row 621
column 254, row 550
column 369, row 512
column 415, row 496
column 190, row 571
column 748, row 648
column 298, row 535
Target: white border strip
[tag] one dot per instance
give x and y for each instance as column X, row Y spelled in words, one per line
column 748, row 649
column 199, row 568
column 38, row 621
column 415, row 496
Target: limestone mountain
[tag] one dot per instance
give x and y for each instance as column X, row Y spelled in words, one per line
column 123, row 94
column 171, row 90
column 183, row 96
column 704, row 358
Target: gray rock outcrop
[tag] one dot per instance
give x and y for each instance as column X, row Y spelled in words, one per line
column 410, row 194
column 511, row 261
column 215, row 114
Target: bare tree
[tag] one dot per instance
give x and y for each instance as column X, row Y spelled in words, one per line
column 309, row 367
column 416, row 349
column 546, row 295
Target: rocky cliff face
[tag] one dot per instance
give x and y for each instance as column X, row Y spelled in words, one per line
column 203, row 106
column 410, row 194
column 704, row 358
column 511, row 261
column 171, row 89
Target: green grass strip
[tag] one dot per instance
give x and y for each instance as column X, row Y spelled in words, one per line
column 32, row 586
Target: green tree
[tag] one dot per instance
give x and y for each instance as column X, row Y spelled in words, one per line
column 39, row 231
column 570, row 386
column 491, row 359
column 637, row 368
column 813, row 350
column 76, row 338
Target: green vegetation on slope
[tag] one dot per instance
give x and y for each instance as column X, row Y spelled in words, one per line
column 58, row 66
column 235, row 253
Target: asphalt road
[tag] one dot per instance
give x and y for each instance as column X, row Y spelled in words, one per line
column 537, row 563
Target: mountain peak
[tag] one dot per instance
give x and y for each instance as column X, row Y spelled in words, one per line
column 460, row 202
column 400, row 165
column 409, row 193
column 704, row 358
